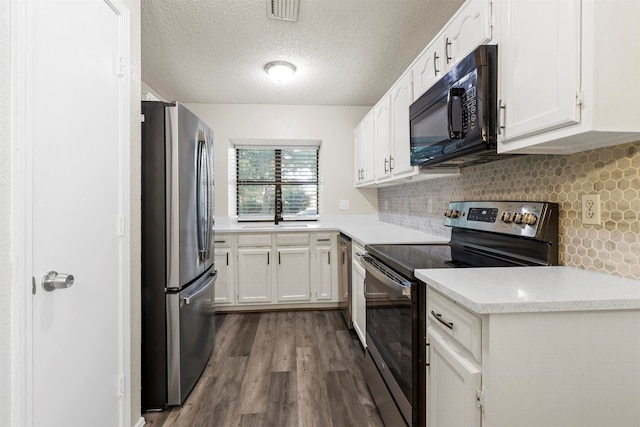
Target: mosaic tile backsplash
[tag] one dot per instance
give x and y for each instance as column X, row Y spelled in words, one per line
column 614, row 173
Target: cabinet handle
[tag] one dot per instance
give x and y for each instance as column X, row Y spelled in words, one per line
column 279, row 261
column 502, row 111
column 227, row 258
column 390, row 163
column 385, row 165
column 329, row 253
column 343, row 255
column 324, row 240
column 268, row 258
column 435, row 67
column 221, row 241
column 438, row 317
column 446, row 50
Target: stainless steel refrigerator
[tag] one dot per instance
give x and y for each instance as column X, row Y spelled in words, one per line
column 178, row 275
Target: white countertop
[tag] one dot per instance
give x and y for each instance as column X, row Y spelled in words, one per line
column 533, row 289
column 365, row 229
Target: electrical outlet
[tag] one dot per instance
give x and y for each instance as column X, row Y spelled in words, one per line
column 344, row 204
column 591, row 209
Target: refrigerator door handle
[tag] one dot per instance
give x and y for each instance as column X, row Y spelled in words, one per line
column 210, row 199
column 188, row 298
column 203, row 207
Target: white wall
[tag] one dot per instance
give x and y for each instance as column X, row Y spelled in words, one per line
column 332, row 124
column 5, row 214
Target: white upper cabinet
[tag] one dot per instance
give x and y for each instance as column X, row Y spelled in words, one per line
column 364, row 151
column 568, row 74
column 382, row 126
column 400, row 99
column 468, row 28
column 428, row 67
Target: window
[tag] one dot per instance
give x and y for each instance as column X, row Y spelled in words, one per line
column 277, row 182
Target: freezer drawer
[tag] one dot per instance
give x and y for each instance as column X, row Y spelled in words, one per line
column 190, row 335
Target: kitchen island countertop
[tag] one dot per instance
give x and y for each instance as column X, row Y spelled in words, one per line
column 533, row 289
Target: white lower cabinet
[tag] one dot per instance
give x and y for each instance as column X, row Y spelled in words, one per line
column 254, row 275
column 225, row 281
column 453, row 383
column 358, row 303
column 224, row 263
column 277, row 268
column 569, row 369
column 324, row 271
column 294, row 282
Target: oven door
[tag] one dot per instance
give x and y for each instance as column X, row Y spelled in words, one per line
column 391, row 322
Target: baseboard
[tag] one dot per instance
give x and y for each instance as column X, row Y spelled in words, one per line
column 140, row 422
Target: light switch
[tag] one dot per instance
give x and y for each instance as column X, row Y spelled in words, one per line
column 344, row 205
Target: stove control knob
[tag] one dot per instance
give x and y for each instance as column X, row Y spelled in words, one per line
column 505, row 217
column 455, row 213
column 447, row 213
column 517, row 217
column 530, row 218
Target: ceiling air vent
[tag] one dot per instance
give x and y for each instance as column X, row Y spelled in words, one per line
column 284, row 10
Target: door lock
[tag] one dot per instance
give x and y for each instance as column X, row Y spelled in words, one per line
column 52, row 281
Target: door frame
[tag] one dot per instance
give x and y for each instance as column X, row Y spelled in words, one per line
column 21, row 347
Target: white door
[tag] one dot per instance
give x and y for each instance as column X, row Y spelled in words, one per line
column 77, row 110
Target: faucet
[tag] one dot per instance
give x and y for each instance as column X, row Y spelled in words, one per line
column 278, row 207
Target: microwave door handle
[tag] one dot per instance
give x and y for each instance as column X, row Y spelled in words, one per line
column 454, row 113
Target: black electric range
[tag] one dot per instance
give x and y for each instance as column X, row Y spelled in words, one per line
column 483, row 234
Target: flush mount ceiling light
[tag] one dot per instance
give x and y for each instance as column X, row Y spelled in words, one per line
column 280, row 71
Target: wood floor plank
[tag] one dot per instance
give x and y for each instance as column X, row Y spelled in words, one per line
column 343, row 399
column 313, row 404
column 283, row 405
column 284, row 352
column 331, row 357
column 244, row 335
column 305, row 329
column 255, row 386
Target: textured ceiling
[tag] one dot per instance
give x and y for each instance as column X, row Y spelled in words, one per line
column 347, row 52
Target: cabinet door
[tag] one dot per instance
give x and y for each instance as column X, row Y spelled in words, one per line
column 428, row 68
column 452, row 385
column 468, row 29
column 358, row 304
column 254, row 275
column 382, row 137
column 400, row 162
column 539, row 73
column 366, row 147
column 294, row 282
column 225, row 285
column 324, row 271
column 357, row 155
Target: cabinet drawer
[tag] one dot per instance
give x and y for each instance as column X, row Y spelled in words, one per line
column 322, row 238
column 456, row 322
column 254, row 240
column 223, row 241
column 292, row 239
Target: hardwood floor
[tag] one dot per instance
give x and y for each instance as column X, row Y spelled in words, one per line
column 296, row 368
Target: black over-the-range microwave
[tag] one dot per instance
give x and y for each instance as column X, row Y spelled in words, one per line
column 454, row 123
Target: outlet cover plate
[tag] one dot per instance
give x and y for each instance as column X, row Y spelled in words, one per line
column 591, row 209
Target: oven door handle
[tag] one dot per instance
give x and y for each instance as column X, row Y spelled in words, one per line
column 388, row 278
